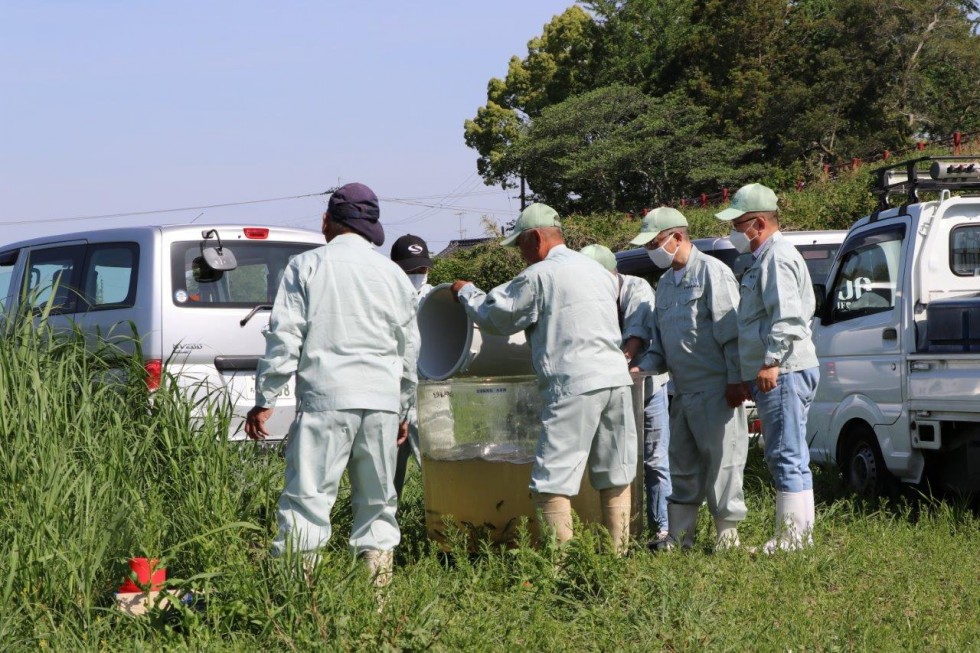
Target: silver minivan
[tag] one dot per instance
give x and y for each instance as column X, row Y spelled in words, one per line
column 198, row 296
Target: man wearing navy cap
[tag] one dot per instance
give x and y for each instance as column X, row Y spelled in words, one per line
column 344, row 323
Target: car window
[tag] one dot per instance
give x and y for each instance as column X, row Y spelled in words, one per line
column 868, row 276
column 109, row 278
column 52, row 278
column 255, row 280
column 819, row 258
column 6, row 279
column 964, row 250
column 80, row 278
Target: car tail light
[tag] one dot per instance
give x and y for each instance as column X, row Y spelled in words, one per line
column 755, row 426
column 256, row 233
column 154, row 371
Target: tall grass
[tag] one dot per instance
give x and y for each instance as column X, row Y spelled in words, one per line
column 93, row 471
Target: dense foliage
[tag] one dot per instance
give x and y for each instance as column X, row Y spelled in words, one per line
column 827, row 204
column 621, row 104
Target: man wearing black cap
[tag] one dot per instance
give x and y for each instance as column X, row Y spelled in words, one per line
column 411, row 254
column 344, row 323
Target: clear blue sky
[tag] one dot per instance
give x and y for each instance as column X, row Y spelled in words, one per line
column 123, row 106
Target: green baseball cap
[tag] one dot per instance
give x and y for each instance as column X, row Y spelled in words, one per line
column 656, row 221
column 749, row 199
column 533, row 217
column 602, row 254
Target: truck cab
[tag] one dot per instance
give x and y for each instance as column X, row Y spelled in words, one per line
column 897, row 333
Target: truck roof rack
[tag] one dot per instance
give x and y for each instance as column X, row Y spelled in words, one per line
column 910, row 177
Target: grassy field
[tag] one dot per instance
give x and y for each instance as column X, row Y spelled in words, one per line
column 91, row 476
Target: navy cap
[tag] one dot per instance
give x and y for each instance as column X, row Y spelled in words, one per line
column 411, row 253
column 356, row 206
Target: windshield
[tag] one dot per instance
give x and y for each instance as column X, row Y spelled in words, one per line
column 818, row 260
column 254, row 281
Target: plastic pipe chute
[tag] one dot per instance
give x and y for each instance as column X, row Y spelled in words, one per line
column 453, row 345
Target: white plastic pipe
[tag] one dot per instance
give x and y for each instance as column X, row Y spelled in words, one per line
column 452, row 345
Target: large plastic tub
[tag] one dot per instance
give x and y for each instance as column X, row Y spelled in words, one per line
column 478, row 438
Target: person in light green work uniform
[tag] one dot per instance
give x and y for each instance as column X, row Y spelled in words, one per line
column 344, row 323
column 636, row 305
column 411, row 254
column 566, row 305
column 695, row 338
column 779, row 363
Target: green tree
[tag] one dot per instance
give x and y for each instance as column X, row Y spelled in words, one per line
column 825, row 80
column 558, row 65
column 616, row 148
column 800, row 82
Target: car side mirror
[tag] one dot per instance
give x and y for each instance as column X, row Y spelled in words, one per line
column 820, row 297
column 219, row 258
column 202, row 271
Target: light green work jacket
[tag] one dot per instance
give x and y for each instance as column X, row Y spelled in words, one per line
column 566, row 305
column 344, row 323
column 636, row 309
column 776, row 308
column 695, row 334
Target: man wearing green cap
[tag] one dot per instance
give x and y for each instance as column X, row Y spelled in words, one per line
column 635, row 307
column 695, row 338
column 778, row 359
column 566, row 305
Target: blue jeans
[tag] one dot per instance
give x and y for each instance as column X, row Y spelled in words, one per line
column 783, row 412
column 656, row 467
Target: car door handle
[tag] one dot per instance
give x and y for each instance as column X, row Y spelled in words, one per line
column 889, row 334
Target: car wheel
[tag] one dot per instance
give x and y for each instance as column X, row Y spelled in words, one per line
column 866, row 473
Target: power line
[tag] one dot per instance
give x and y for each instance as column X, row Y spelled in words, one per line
column 439, row 196
column 156, row 211
column 410, row 201
column 463, row 187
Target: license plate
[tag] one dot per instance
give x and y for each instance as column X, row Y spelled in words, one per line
column 243, row 386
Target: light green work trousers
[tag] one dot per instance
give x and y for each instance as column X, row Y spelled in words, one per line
column 708, row 445
column 322, row 444
column 595, row 428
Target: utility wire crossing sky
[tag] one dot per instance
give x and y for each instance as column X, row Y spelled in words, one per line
column 118, row 114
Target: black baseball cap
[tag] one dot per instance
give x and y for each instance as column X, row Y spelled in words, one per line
column 356, row 206
column 411, row 253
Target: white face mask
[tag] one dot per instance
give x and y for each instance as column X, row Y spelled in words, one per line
column 740, row 241
column 661, row 257
column 418, row 280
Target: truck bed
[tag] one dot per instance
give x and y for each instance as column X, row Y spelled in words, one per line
column 945, row 383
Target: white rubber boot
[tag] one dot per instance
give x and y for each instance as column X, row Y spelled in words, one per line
column 811, row 517
column 793, row 522
column 727, row 535
column 380, row 565
column 682, row 520
column 615, row 504
column 554, row 516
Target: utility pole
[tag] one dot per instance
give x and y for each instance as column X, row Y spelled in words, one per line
column 523, row 194
column 460, row 216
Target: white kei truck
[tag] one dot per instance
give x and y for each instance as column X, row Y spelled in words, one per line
column 197, row 296
column 897, row 333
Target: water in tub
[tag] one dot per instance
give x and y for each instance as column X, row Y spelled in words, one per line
column 478, row 442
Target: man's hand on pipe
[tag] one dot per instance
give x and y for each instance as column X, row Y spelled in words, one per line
column 457, row 286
